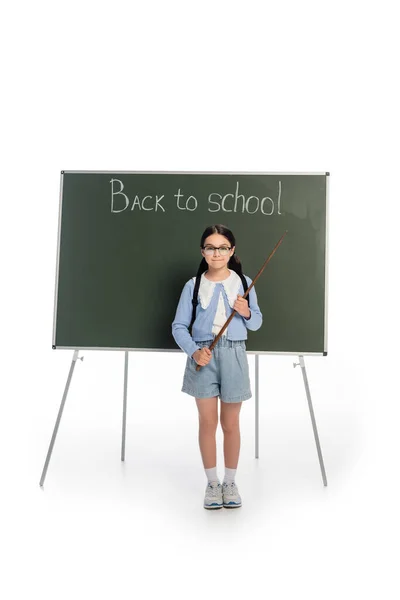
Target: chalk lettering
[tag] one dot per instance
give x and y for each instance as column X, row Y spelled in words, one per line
column 178, row 196
column 137, row 202
column 239, row 203
column 119, row 192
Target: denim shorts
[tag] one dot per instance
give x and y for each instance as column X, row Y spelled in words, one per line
column 226, row 375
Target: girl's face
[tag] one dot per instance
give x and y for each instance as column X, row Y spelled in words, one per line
column 217, row 259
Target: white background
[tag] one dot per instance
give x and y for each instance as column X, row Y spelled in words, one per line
column 218, row 86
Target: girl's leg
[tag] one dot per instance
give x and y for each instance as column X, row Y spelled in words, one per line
column 230, row 426
column 208, row 422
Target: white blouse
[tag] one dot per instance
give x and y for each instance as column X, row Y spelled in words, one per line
column 220, row 316
column 206, row 290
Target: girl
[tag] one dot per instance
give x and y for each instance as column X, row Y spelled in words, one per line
column 224, row 371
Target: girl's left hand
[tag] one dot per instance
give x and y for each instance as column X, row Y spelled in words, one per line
column 241, row 306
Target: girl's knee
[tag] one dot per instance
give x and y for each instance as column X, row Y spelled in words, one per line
column 208, row 426
column 230, row 426
column 230, row 416
column 208, row 413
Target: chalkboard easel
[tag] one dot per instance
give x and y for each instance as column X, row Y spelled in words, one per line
column 105, row 216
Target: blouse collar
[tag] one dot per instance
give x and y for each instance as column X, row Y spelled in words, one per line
column 231, row 286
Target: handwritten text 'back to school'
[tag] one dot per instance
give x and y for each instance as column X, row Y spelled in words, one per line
column 230, row 202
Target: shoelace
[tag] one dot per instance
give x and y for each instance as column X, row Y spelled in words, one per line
column 213, row 489
column 232, row 488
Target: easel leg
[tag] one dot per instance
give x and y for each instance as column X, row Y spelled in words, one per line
column 257, row 408
column 321, row 462
column 124, row 406
column 50, row 450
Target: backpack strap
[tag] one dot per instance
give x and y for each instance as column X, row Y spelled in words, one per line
column 194, row 301
column 245, row 286
column 196, row 293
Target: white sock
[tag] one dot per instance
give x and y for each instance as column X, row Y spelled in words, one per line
column 212, row 474
column 229, row 475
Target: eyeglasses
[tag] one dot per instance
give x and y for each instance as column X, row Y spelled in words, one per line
column 223, row 250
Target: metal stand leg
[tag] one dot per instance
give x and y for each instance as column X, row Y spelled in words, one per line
column 257, row 409
column 50, row 450
column 321, row 462
column 124, row 406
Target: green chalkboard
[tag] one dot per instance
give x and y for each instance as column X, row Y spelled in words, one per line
column 129, row 241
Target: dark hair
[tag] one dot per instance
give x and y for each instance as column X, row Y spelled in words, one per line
column 234, row 264
column 234, row 261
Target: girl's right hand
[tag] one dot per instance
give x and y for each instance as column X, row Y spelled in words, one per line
column 202, row 356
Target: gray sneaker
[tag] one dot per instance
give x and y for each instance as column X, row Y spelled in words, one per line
column 231, row 495
column 213, row 497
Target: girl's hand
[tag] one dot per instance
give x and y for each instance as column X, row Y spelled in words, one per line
column 202, row 356
column 242, row 306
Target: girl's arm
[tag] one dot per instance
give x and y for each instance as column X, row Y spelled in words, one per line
column 256, row 317
column 183, row 316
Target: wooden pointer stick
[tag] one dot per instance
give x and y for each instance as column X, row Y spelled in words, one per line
column 198, row 367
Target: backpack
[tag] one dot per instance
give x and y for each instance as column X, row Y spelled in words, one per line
column 196, row 292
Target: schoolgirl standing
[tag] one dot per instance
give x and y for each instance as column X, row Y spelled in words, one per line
column 206, row 302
